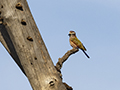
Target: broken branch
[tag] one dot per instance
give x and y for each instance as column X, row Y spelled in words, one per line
column 65, row 57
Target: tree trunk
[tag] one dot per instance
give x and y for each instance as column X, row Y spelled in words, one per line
column 20, row 36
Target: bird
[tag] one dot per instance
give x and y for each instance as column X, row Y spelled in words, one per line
column 76, row 43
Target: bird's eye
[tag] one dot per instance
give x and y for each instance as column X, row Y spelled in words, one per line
column 69, row 34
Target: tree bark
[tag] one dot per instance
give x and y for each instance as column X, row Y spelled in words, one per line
column 20, row 36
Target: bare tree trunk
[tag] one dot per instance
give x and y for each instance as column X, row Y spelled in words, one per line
column 20, row 36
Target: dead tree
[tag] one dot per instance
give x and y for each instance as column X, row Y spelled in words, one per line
column 21, row 38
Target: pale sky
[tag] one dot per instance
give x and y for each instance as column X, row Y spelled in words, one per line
column 97, row 24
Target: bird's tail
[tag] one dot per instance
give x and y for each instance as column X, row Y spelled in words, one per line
column 85, row 53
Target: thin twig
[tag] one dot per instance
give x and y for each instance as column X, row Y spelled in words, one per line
column 65, row 57
column 61, row 61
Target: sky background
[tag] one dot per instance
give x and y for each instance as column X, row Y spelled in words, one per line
column 97, row 24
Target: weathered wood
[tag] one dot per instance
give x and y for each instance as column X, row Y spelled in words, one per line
column 20, row 36
column 7, row 43
column 65, row 57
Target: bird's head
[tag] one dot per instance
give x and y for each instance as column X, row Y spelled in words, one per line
column 72, row 33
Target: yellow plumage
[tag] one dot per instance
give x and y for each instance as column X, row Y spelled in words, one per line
column 78, row 43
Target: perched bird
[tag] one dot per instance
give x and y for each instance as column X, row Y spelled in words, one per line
column 76, row 43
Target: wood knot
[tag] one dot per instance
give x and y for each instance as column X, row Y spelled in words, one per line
column 1, row 6
column 51, row 83
column 19, row 6
column 1, row 20
column 29, row 38
column 23, row 22
column 35, row 58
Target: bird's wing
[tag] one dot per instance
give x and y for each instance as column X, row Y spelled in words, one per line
column 78, row 43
